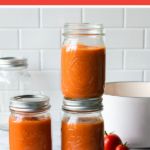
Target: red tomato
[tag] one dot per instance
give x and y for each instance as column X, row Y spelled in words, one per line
column 121, row 147
column 111, row 141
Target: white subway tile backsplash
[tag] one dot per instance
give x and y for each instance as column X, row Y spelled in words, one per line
column 33, row 64
column 114, row 59
column 45, row 80
column 50, row 59
column 137, row 59
column 120, row 75
column 109, row 17
column 40, row 38
column 124, row 38
column 57, row 17
column 8, row 39
column 137, row 17
column 19, row 17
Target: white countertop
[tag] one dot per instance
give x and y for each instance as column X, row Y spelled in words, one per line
column 4, row 140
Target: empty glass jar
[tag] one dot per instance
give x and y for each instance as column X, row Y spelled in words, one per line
column 14, row 80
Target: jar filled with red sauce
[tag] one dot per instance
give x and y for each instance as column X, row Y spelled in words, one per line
column 83, row 61
column 82, row 125
column 30, row 123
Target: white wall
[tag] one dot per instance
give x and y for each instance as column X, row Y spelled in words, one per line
column 35, row 33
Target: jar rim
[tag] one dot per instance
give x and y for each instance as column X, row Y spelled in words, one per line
column 82, row 105
column 13, row 62
column 29, row 103
column 83, row 29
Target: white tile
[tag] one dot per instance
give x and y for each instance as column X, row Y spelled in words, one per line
column 40, row 38
column 56, row 99
column 119, row 75
column 50, row 59
column 124, row 38
column 109, row 17
column 147, row 40
column 33, row 64
column 137, row 17
column 137, row 59
column 8, row 39
column 19, row 17
column 45, row 80
column 147, row 76
column 57, row 17
column 114, row 59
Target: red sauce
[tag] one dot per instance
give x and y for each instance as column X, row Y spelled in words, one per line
column 82, row 71
column 30, row 134
column 83, row 136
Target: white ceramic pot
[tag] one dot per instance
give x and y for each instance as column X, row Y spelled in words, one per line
column 127, row 112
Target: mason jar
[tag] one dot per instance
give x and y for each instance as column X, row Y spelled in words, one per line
column 14, row 79
column 82, row 126
column 30, row 123
column 83, row 61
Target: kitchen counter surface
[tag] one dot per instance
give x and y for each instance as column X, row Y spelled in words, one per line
column 5, row 146
column 4, row 141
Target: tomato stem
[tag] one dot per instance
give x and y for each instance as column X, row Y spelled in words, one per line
column 106, row 133
column 125, row 144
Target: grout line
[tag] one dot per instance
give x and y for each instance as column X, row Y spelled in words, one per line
column 60, row 38
column 57, row 27
column 143, row 76
column 40, row 62
column 127, row 28
column 123, row 59
column 145, row 35
column 46, row 70
column 41, row 59
column 131, row 70
column 124, row 17
column 82, row 15
column 19, row 39
column 40, row 18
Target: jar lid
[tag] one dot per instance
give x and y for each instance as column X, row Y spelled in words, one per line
column 12, row 62
column 83, row 29
column 29, row 103
column 82, row 105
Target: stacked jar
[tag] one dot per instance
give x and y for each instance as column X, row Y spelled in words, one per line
column 82, row 83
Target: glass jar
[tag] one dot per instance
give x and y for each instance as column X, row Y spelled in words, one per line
column 82, row 125
column 30, row 123
column 83, row 61
column 14, row 79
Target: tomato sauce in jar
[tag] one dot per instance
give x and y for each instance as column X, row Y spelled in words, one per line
column 83, row 61
column 83, row 71
column 82, row 126
column 30, row 123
